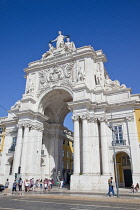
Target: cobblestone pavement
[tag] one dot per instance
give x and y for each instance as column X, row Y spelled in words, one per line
column 125, row 195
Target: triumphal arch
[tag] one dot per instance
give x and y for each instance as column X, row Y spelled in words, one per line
column 73, row 79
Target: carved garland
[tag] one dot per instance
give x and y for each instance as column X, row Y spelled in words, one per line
column 58, row 74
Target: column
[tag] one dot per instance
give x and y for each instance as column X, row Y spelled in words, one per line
column 94, row 152
column 17, row 154
column 86, row 144
column 56, row 156
column 47, row 159
column 104, row 147
column 51, row 154
column 76, row 145
column 25, row 155
column 38, row 147
column 30, row 164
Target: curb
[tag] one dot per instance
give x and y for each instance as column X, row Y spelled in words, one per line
column 109, row 200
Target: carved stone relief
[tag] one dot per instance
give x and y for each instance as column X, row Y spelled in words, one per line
column 57, row 75
column 81, row 71
column 30, row 86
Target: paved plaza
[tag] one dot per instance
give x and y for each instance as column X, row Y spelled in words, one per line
column 66, row 199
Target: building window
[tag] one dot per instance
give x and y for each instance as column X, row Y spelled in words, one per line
column 118, row 132
column 67, row 165
column 14, row 140
column 67, row 154
column 125, row 161
column 63, row 153
column 1, row 130
column 12, row 148
column 62, row 164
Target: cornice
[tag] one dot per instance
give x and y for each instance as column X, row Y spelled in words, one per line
column 32, row 114
column 111, row 92
column 82, row 52
column 84, row 102
column 121, row 104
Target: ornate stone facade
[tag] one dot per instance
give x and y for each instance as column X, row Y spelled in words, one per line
column 69, row 78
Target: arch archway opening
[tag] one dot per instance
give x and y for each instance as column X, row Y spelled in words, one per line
column 57, row 140
column 124, row 169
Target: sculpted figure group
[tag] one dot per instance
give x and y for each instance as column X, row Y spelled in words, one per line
column 60, row 45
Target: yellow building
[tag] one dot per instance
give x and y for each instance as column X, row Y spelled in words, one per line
column 137, row 116
column 67, row 155
column 2, row 137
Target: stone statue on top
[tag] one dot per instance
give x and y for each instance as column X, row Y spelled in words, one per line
column 61, row 46
column 59, row 40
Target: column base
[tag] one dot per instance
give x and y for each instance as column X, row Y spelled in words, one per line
column 88, row 182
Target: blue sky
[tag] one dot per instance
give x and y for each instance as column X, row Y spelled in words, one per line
column 26, row 27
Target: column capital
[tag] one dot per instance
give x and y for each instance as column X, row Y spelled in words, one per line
column 103, row 119
column 37, row 127
column 129, row 118
column 27, row 125
column 92, row 119
column 8, row 133
column 84, row 117
column 75, row 118
column 20, row 125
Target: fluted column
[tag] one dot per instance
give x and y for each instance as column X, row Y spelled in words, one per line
column 25, row 154
column 76, row 145
column 104, row 147
column 17, row 154
column 30, row 164
column 86, row 144
column 51, row 153
column 94, row 147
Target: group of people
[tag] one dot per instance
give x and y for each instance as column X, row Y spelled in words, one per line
column 31, row 185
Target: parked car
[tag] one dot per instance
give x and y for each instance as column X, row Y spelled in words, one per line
column 1, row 187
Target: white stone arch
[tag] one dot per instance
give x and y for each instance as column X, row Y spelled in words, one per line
column 51, row 89
column 60, row 95
column 120, row 151
column 124, row 168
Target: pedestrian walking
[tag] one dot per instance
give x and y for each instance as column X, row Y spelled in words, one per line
column 14, row 188
column 111, row 187
column 40, row 184
column 61, row 183
column 20, row 182
column 26, row 185
column 6, row 187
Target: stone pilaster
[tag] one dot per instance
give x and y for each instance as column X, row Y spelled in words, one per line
column 94, row 147
column 104, row 146
column 25, row 155
column 18, row 149
column 86, row 142
column 76, row 145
